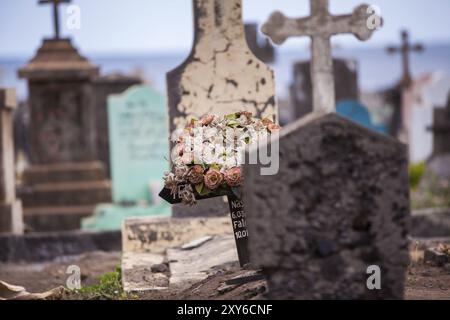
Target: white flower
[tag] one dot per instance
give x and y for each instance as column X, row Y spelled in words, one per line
column 177, row 134
column 210, row 134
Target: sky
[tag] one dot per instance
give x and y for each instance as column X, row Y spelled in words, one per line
column 164, row 26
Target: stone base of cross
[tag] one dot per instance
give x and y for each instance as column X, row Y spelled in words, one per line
column 237, row 214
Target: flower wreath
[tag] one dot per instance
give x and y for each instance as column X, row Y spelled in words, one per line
column 208, row 153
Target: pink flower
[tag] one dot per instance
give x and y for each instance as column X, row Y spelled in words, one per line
column 179, row 149
column 273, row 127
column 207, row 119
column 213, row 179
column 246, row 113
column 233, row 176
column 266, row 121
column 195, row 175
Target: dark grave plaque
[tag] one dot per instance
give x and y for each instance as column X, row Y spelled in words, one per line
column 237, row 214
column 239, row 227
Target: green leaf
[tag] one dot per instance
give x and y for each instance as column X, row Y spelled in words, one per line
column 199, row 187
column 215, row 166
column 202, row 189
column 231, row 116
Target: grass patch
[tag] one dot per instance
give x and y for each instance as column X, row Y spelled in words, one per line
column 109, row 287
column 416, row 171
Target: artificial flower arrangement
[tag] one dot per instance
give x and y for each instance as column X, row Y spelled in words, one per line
column 208, row 153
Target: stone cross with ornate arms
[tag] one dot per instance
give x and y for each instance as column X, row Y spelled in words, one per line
column 320, row 26
column 55, row 13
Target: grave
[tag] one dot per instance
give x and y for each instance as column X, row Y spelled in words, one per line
column 358, row 113
column 137, row 122
column 65, row 180
column 399, row 127
column 11, row 219
column 146, row 240
column 339, row 204
column 220, row 76
column 319, row 26
column 437, row 173
column 345, row 74
column 405, row 49
column 103, row 87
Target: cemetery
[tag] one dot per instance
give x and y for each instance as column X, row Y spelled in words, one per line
column 217, row 179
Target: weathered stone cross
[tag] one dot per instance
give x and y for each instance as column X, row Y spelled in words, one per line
column 405, row 48
column 55, row 13
column 320, row 26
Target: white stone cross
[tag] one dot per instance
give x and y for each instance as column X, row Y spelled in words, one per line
column 320, row 26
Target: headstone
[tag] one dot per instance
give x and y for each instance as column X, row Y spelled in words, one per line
column 345, row 73
column 11, row 220
column 65, row 180
column 61, row 103
column 439, row 162
column 339, row 204
column 320, row 26
column 358, row 113
column 137, row 130
column 220, row 76
column 431, row 92
column 262, row 48
column 103, row 87
column 337, row 209
column 139, row 144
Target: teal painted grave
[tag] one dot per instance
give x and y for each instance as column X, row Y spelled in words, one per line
column 354, row 110
column 139, row 148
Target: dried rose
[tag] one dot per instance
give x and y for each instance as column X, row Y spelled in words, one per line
column 179, row 149
column 207, row 119
column 273, row 127
column 213, row 179
column 247, row 114
column 266, row 121
column 233, row 177
column 195, row 175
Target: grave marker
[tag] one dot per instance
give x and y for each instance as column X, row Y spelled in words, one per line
column 405, row 49
column 339, row 204
column 139, row 147
column 319, row 26
column 439, row 162
column 237, row 214
column 65, row 180
column 55, row 4
column 341, row 200
column 11, row 219
column 103, row 87
column 358, row 113
column 220, row 76
column 345, row 75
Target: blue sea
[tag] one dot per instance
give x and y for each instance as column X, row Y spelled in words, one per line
column 377, row 69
